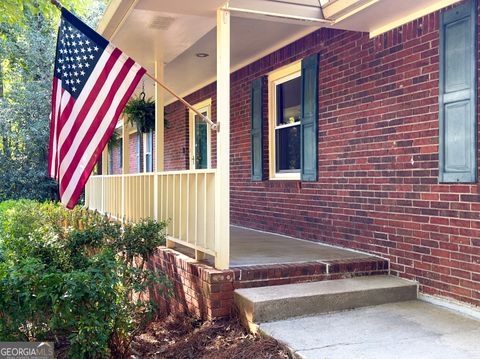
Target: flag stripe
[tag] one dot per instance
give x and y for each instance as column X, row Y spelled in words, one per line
column 53, row 128
column 65, row 103
column 58, row 98
column 82, row 177
column 89, row 128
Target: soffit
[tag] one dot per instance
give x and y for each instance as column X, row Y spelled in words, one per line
column 173, row 32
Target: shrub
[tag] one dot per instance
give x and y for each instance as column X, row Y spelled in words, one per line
column 75, row 277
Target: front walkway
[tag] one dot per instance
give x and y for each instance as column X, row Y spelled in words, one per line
column 404, row 330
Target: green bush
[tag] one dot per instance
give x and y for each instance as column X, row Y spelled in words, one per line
column 74, row 277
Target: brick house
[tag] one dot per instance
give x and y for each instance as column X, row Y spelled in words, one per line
column 350, row 123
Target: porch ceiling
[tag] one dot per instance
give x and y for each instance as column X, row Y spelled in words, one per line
column 173, row 32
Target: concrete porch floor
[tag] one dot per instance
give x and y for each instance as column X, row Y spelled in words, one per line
column 250, row 247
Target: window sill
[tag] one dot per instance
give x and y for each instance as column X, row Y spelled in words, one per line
column 295, row 176
column 285, row 179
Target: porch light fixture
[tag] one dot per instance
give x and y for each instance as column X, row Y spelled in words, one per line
column 202, row 54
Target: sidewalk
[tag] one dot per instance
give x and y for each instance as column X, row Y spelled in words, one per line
column 409, row 330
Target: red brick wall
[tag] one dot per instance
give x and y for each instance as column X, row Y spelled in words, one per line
column 133, row 152
column 378, row 159
column 198, row 289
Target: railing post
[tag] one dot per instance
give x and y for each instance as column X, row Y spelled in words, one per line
column 102, row 193
column 222, row 177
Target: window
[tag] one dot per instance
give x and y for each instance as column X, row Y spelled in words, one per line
column 200, row 137
column 285, row 119
column 292, row 122
column 148, row 151
column 120, row 153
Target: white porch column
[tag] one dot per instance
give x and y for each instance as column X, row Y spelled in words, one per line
column 159, row 119
column 105, row 161
column 125, row 164
column 159, row 141
column 222, row 178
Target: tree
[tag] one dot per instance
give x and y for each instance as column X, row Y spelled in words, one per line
column 27, row 52
column 13, row 11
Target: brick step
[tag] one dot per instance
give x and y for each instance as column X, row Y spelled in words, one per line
column 288, row 273
column 265, row 304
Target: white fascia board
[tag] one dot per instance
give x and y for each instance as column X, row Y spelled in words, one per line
column 412, row 16
column 276, row 11
column 115, row 14
column 335, row 9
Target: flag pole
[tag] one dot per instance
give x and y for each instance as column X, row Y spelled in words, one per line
column 213, row 126
column 57, row 3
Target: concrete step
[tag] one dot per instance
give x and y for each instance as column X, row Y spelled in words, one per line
column 265, row 304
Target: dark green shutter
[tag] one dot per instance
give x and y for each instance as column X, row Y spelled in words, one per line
column 256, row 129
column 458, row 94
column 308, row 132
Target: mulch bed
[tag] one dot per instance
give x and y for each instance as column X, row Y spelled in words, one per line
column 187, row 338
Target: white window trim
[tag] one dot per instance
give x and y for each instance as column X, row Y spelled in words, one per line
column 204, row 106
column 275, row 78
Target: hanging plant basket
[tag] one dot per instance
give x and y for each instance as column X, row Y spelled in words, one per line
column 140, row 113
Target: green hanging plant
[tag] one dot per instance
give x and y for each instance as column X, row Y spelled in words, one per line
column 141, row 113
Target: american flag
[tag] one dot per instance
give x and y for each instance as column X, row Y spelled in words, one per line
column 92, row 83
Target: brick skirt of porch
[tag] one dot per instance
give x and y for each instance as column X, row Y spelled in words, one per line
column 202, row 291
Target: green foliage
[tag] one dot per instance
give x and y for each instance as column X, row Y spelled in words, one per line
column 13, row 11
column 140, row 112
column 27, row 52
column 75, row 277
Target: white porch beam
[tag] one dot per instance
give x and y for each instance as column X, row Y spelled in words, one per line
column 222, row 177
column 340, row 9
column 279, row 11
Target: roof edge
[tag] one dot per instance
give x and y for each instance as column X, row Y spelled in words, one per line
column 114, row 16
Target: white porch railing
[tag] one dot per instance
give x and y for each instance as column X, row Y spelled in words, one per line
column 196, row 203
column 185, row 199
